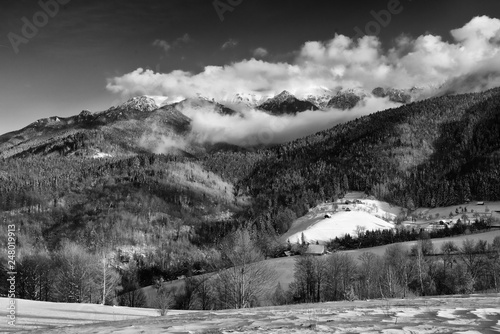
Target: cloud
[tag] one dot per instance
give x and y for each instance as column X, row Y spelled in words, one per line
column 162, row 44
column 254, row 127
column 260, row 53
column 183, row 39
column 166, row 46
column 229, row 44
column 468, row 63
column 159, row 141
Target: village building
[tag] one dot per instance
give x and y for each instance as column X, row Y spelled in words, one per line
column 313, row 249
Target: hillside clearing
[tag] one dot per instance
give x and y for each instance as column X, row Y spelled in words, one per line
column 335, row 219
column 338, row 225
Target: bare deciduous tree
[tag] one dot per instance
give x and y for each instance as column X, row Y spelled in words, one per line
column 495, row 261
column 77, row 275
column 397, row 258
column 369, row 275
column 165, row 298
column 308, row 274
column 472, row 257
column 248, row 279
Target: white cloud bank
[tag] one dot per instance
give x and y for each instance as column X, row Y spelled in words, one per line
column 469, row 63
column 254, row 127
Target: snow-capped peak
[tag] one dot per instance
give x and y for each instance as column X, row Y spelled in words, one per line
column 358, row 91
column 319, row 100
column 283, row 96
column 203, row 97
column 160, row 100
column 142, row 103
column 250, row 100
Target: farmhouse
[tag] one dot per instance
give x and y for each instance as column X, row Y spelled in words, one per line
column 315, row 250
column 438, row 225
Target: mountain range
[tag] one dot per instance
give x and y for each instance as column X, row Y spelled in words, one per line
column 135, row 117
column 409, row 138
column 286, row 103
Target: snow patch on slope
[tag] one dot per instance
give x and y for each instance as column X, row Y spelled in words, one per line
column 338, row 225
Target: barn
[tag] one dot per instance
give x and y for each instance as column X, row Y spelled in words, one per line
column 315, row 250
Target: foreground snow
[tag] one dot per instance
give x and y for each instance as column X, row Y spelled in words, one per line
column 467, row 314
column 38, row 315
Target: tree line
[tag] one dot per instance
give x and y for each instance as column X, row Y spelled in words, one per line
column 399, row 273
column 366, row 239
column 236, row 278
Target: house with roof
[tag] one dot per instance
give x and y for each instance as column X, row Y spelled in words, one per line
column 313, row 249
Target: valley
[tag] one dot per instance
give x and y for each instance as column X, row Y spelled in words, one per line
column 100, row 184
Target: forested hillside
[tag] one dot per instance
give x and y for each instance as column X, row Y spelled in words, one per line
column 165, row 214
column 436, row 152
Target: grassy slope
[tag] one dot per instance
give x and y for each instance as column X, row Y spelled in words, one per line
column 284, row 266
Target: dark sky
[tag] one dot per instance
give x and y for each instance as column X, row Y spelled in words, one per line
column 63, row 68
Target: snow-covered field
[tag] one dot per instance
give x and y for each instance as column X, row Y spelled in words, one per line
column 373, row 214
column 31, row 315
column 474, row 210
column 491, row 207
column 338, row 225
column 343, row 219
column 462, row 314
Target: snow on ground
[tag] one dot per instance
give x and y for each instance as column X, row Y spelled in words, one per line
column 346, row 213
column 338, row 225
column 359, row 210
column 486, row 312
column 449, row 313
column 100, row 155
column 463, row 314
column 442, row 213
column 38, row 315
